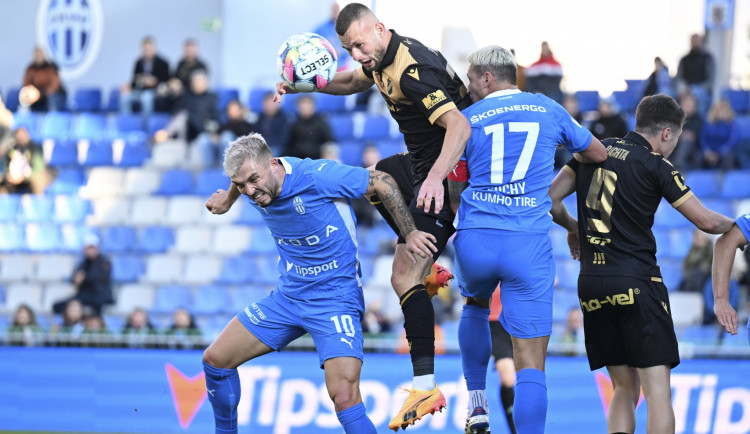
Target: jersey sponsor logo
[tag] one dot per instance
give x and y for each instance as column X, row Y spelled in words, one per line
column 413, row 73
column 253, row 319
column 298, row 205
column 614, row 300
column 678, row 179
column 511, row 108
column 598, row 241
column 188, row 393
column 434, row 98
column 599, row 258
column 312, row 270
column 502, row 199
column 321, row 166
column 348, row 342
column 306, row 241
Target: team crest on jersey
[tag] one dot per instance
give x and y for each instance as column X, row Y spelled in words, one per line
column 298, row 205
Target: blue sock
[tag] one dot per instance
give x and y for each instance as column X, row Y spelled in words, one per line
column 530, row 408
column 223, row 387
column 475, row 343
column 355, row 420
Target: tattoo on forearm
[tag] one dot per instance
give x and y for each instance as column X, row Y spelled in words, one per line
column 393, row 201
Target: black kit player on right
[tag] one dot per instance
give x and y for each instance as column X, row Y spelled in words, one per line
column 627, row 317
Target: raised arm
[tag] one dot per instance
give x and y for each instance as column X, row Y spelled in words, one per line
column 221, row 201
column 387, row 190
column 343, row 83
column 457, row 133
column 721, row 270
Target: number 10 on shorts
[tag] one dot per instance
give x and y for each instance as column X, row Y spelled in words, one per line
column 346, row 322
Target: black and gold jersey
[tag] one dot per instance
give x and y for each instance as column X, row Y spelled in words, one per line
column 419, row 86
column 617, row 200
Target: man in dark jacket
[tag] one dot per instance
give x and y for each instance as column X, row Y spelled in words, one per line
column 92, row 278
column 273, row 125
column 309, row 131
column 151, row 71
column 696, row 73
column 199, row 107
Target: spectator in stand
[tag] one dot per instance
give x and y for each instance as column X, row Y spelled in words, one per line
column 659, row 80
column 95, row 332
column 138, row 331
column 42, row 88
column 213, row 144
column 688, row 152
column 610, row 123
column 92, row 279
column 6, row 124
column 719, row 137
column 696, row 72
column 273, row 125
column 67, row 333
column 24, row 330
column 696, row 267
column 24, row 169
column 150, row 73
column 328, row 31
column 374, row 322
column 309, row 131
column 195, row 111
column 183, row 333
column 330, row 151
column 544, row 75
column 573, row 332
column 190, row 63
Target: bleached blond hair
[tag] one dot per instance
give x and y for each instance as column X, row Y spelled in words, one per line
column 496, row 60
column 251, row 146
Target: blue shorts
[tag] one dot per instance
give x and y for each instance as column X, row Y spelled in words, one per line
column 334, row 323
column 524, row 264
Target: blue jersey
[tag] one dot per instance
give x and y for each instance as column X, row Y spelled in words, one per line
column 510, row 157
column 743, row 222
column 313, row 224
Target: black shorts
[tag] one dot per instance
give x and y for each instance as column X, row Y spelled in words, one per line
column 440, row 225
column 627, row 321
column 502, row 344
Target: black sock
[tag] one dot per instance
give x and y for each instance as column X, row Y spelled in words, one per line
column 419, row 323
column 507, row 396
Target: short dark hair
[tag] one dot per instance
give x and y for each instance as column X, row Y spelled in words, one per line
column 351, row 13
column 657, row 112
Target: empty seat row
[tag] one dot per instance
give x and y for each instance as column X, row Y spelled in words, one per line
column 706, row 184
column 63, row 125
column 100, row 152
column 110, row 182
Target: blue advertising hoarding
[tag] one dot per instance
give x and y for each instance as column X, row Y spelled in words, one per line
column 154, row 391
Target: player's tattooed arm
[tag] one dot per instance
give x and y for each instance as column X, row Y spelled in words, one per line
column 386, row 188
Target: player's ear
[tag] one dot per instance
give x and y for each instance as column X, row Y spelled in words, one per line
column 379, row 29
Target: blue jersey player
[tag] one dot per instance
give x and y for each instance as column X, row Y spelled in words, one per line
column 502, row 229
column 724, row 250
column 305, row 204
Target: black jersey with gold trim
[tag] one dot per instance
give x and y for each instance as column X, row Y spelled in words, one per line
column 418, row 85
column 617, row 201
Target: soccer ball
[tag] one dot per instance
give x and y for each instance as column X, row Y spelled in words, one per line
column 307, row 62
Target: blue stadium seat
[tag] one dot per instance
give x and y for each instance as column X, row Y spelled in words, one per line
column 567, row 274
column 390, row 147
column 64, row 153
column 255, row 100
column 627, row 99
column 330, row 103
column 210, row 300
column 736, row 185
column 126, row 268
column 563, row 302
column 267, row 271
column 68, row 181
column 681, row 239
column 156, row 122
column 55, row 125
column 663, row 242
column 30, row 120
column 671, row 274
column 71, row 237
column 43, row 237
column 209, row 181
column 155, row 239
column 262, row 242
column 342, row 127
column 376, row 128
column 9, row 205
column 370, row 243
column 11, row 99
column 90, row 126
column 71, row 209
column 36, row 208
column 289, row 103
column 12, row 237
column 350, row 152
column 719, row 205
column 174, row 182
column 668, row 217
column 134, row 153
column 171, row 297
column 236, row 270
column 113, row 101
column 87, row 99
column 242, row 297
column 226, row 94
column 118, row 239
column 701, row 334
column 744, row 124
column 588, row 100
column 636, row 86
column 249, row 216
column 126, row 123
column 738, row 99
column 99, row 153
column 367, row 266
column 739, row 340
column 559, row 239
column 704, row 183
